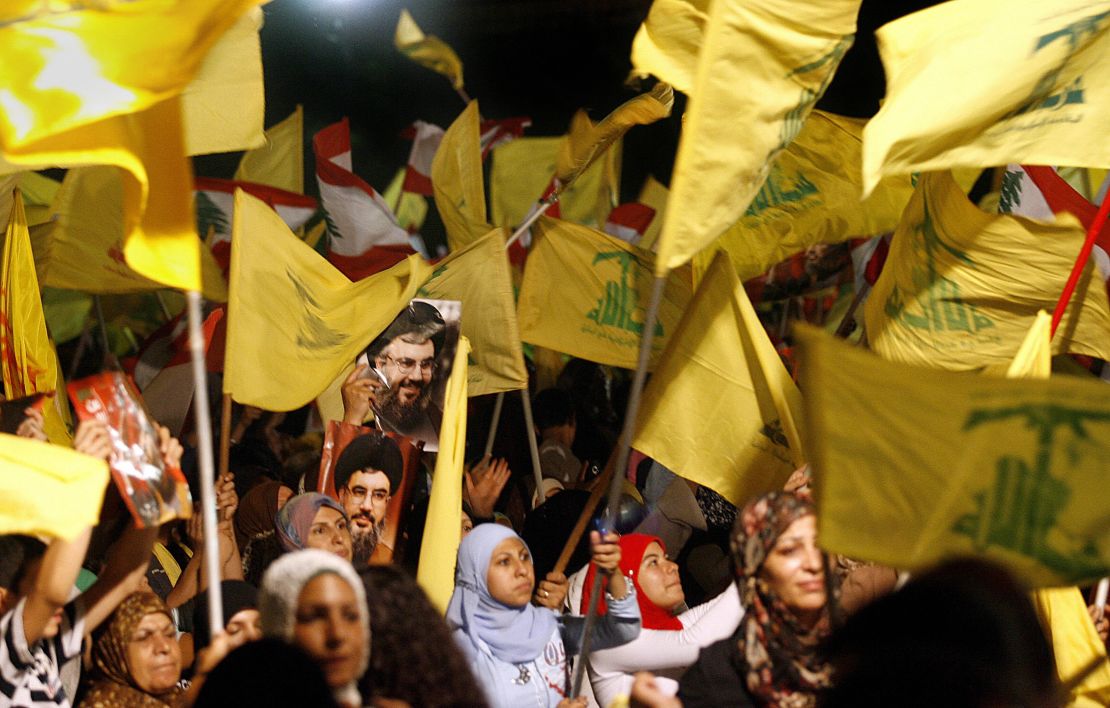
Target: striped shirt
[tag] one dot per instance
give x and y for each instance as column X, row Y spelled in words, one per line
column 29, row 675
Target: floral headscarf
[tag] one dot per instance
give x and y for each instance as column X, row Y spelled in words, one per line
column 113, row 685
column 784, row 668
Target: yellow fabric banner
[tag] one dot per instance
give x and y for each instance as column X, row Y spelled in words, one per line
column 914, row 465
column 961, row 287
column 585, row 294
column 667, row 43
column 77, row 95
column 428, row 51
column 1040, row 93
column 294, row 321
column 224, row 105
column 280, row 161
column 762, row 65
column 48, row 489
column 410, row 208
column 436, row 569
column 30, row 364
column 85, row 248
column 457, row 180
column 1075, row 642
column 721, row 409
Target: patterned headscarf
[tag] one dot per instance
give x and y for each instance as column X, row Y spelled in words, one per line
column 783, row 665
column 113, row 685
column 295, row 518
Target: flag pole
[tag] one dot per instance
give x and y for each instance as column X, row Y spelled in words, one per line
column 225, row 434
column 1080, row 264
column 204, row 456
column 617, row 481
column 533, row 448
column 547, row 204
column 494, row 422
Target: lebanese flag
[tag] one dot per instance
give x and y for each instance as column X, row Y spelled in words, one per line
column 499, row 132
column 426, row 138
column 629, row 221
column 868, row 258
column 215, row 206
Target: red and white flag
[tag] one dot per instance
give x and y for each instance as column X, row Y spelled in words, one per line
column 868, row 259
column 629, row 222
column 499, row 132
column 425, row 141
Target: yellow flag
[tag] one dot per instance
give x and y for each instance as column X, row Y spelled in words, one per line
column 522, row 169
column 479, row 277
column 39, row 193
column 1075, row 643
column 654, row 195
column 280, row 162
column 667, row 43
column 48, row 489
column 294, row 321
column 224, row 104
column 428, row 51
column 77, row 95
column 410, row 208
column 961, row 287
column 457, row 180
column 762, row 66
column 915, row 465
column 30, row 364
column 721, row 409
column 1040, row 93
column 436, row 569
column 85, row 246
column 586, row 141
column 585, row 293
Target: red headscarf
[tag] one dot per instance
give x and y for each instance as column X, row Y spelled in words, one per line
column 633, row 547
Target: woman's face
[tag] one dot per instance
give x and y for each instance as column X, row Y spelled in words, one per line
column 330, row 532
column 328, row 628
column 658, row 579
column 153, row 657
column 244, row 626
column 794, row 570
column 510, row 576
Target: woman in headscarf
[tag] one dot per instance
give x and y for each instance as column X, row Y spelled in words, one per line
column 241, row 620
column 671, row 635
column 316, row 601
column 314, row 520
column 137, row 662
column 774, row 658
column 517, row 651
column 254, row 527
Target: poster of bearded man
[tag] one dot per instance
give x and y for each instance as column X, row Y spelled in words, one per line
column 409, row 363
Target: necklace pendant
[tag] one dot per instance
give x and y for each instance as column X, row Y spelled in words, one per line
column 524, row 677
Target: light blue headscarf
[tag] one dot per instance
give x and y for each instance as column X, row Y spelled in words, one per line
column 513, row 634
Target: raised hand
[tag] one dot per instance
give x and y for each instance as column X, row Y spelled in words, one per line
column 92, row 438
column 551, row 591
column 482, row 485
column 359, row 395
column 33, row 425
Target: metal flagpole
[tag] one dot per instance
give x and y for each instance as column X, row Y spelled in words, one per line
column 531, row 435
column 494, row 422
column 532, row 219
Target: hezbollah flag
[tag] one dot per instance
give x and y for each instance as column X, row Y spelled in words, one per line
column 436, row 569
column 457, row 180
column 428, row 51
column 47, row 489
column 584, row 293
column 279, row 163
column 77, row 95
column 915, row 464
column 294, row 321
column 762, row 65
column 667, row 43
column 30, row 364
column 961, row 287
column 721, row 409
column 1039, row 92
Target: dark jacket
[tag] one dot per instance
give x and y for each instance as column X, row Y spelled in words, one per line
column 717, row 678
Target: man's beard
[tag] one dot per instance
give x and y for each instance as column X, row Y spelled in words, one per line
column 364, row 540
column 405, row 416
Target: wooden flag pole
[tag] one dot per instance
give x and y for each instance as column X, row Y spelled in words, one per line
column 204, row 456
column 494, row 422
column 617, row 480
column 225, row 434
column 531, row 219
column 601, row 486
column 533, row 448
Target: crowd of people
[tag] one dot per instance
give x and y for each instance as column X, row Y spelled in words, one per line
column 700, row 603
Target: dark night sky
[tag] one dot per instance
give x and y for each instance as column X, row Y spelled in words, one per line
column 540, row 58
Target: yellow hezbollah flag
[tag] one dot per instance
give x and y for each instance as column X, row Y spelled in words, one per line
column 961, row 287
column 224, row 104
column 915, row 465
column 76, row 95
column 48, row 489
column 667, row 43
column 428, row 51
column 479, row 277
column 721, row 409
column 762, row 67
column 584, row 293
column 1039, row 94
column 522, row 169
column 588, row 142
column 30, row 364
column 280, row 162
column 85, row 247
column 436, row 569
column 457, row 180
column 294, row 321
